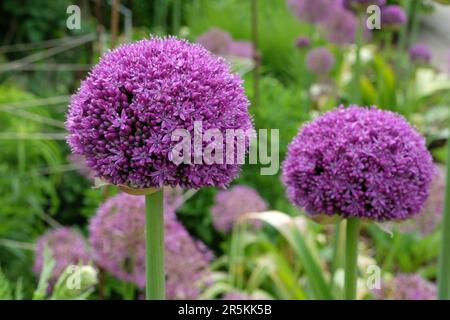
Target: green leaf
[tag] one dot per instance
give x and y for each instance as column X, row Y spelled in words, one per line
column 286, row 226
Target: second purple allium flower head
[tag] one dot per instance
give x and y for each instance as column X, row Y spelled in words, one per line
column 359, row 162
column 122, row 117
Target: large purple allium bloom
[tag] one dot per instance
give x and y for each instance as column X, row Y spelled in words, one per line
column 312, row 11
column 117, row 236
column 431, row 215
column 340, row 27
column 393, row 16
column 67, row 247
column 320, row 61
column 420, row 53
column 230, row 204
column 123, row 116
column 359, row 162
column 406, row 287
column 216, row 40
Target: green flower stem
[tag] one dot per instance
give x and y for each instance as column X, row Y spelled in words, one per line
column 351, row 259
column 444, row 258
column 154, row 236
column 356, row 85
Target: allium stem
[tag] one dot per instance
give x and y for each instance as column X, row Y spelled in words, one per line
column 357, row 67
column 154, row 235
column 351, row 258
column 444, row 258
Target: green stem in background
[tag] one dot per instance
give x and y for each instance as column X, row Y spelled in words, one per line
column 154, row 236
column 176, row 16
column 444, row 258
column 255, row 52
column 356, row 94
column 21, row 156
column 351, row 259
column 414, row 22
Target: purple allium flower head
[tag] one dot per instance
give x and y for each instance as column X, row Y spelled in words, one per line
column 320, row 61
column 312, row 11
column 359, row 162
column 67, row 247
column 117, row 236
column 302, row 42
column 216, row 40
column 230, row 204
column 393, row 16
column 362, row 4
column 420, row 53
column 340, row 27
column 406, row 287
column 427, row 221
column 123, row 116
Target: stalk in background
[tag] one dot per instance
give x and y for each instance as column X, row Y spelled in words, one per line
column 444, row 258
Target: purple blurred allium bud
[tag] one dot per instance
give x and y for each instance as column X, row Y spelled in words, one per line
column 320, row 61
column 123, row 116
column 340, row 27
column 359, row 162
column 231, row 204
column 393, row 16
column 79, row 162
column 118, row 243
column 406, row 287
column 241, row 49
column 361, row 5
column 312, row 11
column 216, row 40
column 67, row 247
column 302, row 42
column 427, row 221
column 420, row 53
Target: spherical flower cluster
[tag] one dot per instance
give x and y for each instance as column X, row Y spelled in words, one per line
column 359, row 162
column 67, row 247
column 312, row 11
column 320, row 61
column 118, row 243
column 230, row 204
column 427, row 221
column 393, row 16
column 123, row 116
column 406, row 287
column 340, row 27
column 420, row 53
column 302, row 42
